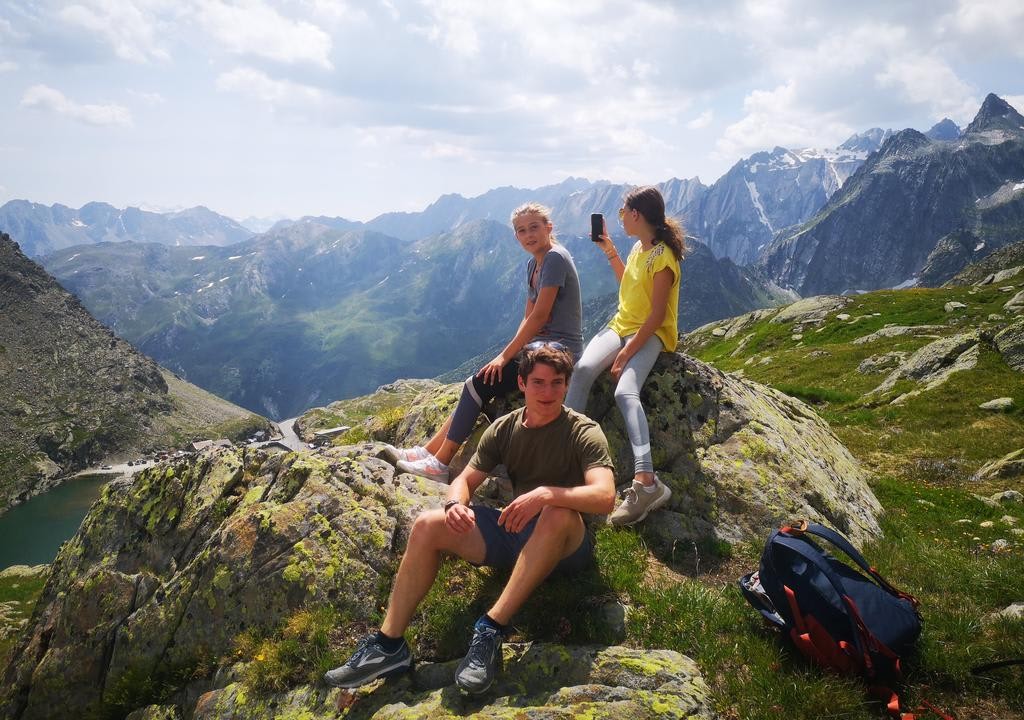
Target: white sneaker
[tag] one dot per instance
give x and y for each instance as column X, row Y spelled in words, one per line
column 394, row 454
column 638, row 503
column 429, row 467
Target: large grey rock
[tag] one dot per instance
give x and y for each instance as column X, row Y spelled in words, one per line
column 935, row 362
column 539, row 682
column 172, row 566
column 1000, row 404
column 899, row 331
column 740, row 457
column 1010, row 343
column 1016, row 303
column 1010, row 465
column 812, row 309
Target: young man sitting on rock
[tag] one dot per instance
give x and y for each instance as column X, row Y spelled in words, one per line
column 560, row 467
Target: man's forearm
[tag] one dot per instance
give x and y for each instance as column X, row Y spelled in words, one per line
column 592, row 499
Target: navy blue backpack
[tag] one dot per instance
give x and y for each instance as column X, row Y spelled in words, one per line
column 845, row 620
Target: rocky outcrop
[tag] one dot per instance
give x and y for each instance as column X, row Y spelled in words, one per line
column 932, row 365
column 539, row 682
column 169, row 568
column 1008, row 466
column 1010, row 343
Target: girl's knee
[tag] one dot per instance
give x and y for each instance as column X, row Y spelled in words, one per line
column 626, row 395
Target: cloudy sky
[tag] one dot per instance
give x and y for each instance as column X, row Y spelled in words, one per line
column 273, row 108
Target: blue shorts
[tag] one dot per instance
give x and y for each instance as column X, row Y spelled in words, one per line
column 503, row 547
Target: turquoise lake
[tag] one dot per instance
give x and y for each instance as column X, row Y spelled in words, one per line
column 31, row 533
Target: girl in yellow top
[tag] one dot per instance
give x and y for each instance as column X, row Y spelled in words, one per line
column 644, row 326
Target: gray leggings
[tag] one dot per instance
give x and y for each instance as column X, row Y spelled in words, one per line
column 597, row 357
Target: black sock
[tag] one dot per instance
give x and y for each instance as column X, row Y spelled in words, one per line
column 389, row 644
column 488, row 621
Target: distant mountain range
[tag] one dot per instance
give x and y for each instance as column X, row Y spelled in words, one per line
column 40, row 230
column 920, row 206
column 307, row 314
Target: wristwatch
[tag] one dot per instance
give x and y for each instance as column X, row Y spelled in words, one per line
column 449, row 505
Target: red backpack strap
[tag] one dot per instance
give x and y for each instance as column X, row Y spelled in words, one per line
column 892, row 705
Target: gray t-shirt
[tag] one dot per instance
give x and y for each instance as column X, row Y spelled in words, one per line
column 566, row 322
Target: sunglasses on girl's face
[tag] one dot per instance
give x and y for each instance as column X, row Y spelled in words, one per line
column 538, row 344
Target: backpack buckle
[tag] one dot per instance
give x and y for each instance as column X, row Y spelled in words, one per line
column 794, row 527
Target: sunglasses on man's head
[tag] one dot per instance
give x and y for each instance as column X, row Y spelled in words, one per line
column 538, row 344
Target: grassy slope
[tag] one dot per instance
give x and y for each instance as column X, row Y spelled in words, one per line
column 923, row 453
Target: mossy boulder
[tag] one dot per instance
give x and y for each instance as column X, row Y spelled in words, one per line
column 539, row 681
column 740, row 457
column 169, row 567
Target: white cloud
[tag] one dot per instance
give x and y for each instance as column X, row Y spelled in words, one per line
column 448, row 151
column 130, row 27
column 149, row 98
column 777, row 117
column 257, row 84
column 990, row 26
column 929, row 81
column 42, row 97
column 701, row 121
column 252, row 27
column 8, row 66
column 1016, row 102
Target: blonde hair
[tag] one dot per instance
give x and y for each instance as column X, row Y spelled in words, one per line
column 532, row 208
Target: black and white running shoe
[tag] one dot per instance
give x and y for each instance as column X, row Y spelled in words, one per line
column 369, row 662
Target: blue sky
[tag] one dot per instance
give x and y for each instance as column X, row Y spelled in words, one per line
column 292, row 107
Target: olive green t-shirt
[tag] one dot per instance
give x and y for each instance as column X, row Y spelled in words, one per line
column 555, row 454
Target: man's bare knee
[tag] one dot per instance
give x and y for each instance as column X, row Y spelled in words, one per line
column 427, row 526
column 557, row 519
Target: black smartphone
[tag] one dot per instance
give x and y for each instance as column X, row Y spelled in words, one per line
column 596, row 226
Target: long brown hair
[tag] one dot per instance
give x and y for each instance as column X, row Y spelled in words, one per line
column 651, row 205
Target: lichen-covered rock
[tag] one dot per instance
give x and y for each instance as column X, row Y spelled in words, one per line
column 891, row 331
column 1016, row 303
column 539, row 681
column 156, row 712
column 1010, row 465
column 812, row 309
column 170, row 567
column 999, row 404
column 935, row 362
column 881, row 363
column 1010, row 343
column 167, row 569
column 740, row 457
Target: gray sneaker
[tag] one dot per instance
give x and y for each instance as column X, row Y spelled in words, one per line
column 638, row 503
column 476, row 671
column 429, row 467
column 369, row 662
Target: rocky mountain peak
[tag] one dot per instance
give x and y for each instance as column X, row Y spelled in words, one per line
column 867, row 141
column 996, row 114
column 945, row 129
column 903, row 143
